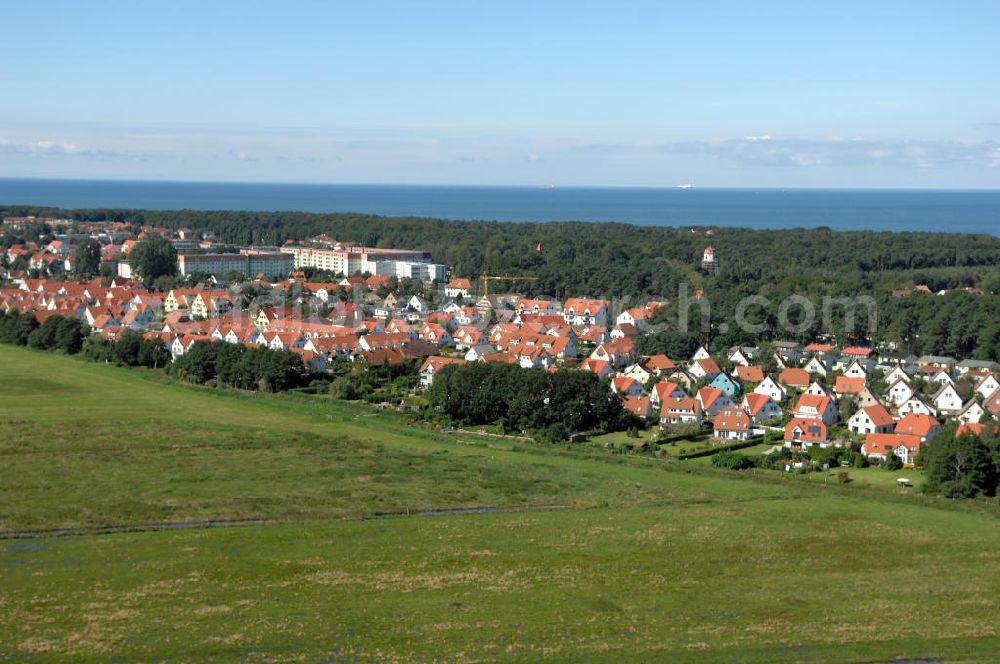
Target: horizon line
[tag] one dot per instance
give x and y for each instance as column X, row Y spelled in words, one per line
column 541, row 186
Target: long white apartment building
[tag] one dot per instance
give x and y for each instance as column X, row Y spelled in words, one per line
column 348, row 259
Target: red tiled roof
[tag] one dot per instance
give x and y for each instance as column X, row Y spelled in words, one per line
column 849, row 385
column 751, row 374
column 794, row 376
column 732, row 419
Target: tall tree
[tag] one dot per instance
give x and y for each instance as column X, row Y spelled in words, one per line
column 87, row 255
column 152, row 258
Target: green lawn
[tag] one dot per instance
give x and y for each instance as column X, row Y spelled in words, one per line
column 94, row 445
column 651, row 561
column 873, row 477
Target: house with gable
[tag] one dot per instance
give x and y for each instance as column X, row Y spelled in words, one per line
column 712, row 400
column 916, row 405
column 624, row 386
column 701, row 354
column 873, row 419
column 665, row 390
column 479, row 352
column 818, row 366
column 947, row 400
column 922, row 426
column 458, row 288
column 732, row 424
column 727, row 384
column 988, row 386
column 751, row 373
column 942, row 377
column 866, row 398
column 817, row 389
column 637, row 371
column 899, row 372
column 639, row 406
column 972, row 412
column 815, row 407
column 804, row 432
column 771, row 388
column 855, row 370
column 585, row 311
column 899, row 393
column 704, row 368
column 743, row 356
column 878, row 446
column 602, row 368
column 761, row 408
column 680, row 410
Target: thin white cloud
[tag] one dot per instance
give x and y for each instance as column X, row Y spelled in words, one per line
column 838, row 151
column 47, row 147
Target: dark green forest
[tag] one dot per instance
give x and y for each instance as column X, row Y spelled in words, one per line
column 629, row 263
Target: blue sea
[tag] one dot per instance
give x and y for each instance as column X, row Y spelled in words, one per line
column 890, row 210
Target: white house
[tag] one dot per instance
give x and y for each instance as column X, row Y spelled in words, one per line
column 584, row 311
column 458, row 288
column 680, row 411
column 700, row 354
column 815, row 365
column 855, row 370
column 419, row 304
column 899, row 393
column 478, row 352
column 942, row 377
column 971, row 413
column 988, row 386
column 916, row 405
column 637, row 372
column 816, row 407
column 816, row 389
column 732, row 424
column 873, row 419
column 897, row 373
column 947, row 400
column 744, row 356
column 772, row 389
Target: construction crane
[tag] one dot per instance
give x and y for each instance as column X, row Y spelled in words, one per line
column 505, row 277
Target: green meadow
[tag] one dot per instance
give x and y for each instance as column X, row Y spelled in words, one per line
column 607, row 558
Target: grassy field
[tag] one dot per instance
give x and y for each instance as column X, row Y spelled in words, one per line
column 87, row 445
column 648, row 561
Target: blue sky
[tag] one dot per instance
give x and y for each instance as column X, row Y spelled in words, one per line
column 765, row 94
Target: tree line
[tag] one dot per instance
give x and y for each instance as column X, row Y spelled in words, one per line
column 557, row 404
column 231, row 365
column 239, row 366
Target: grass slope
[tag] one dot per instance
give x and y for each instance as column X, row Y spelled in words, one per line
column 652, row 564
column 93, row 445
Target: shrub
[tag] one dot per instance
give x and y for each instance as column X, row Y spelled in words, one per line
column 732, row 460
column 892, row 462
column 343, row 388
